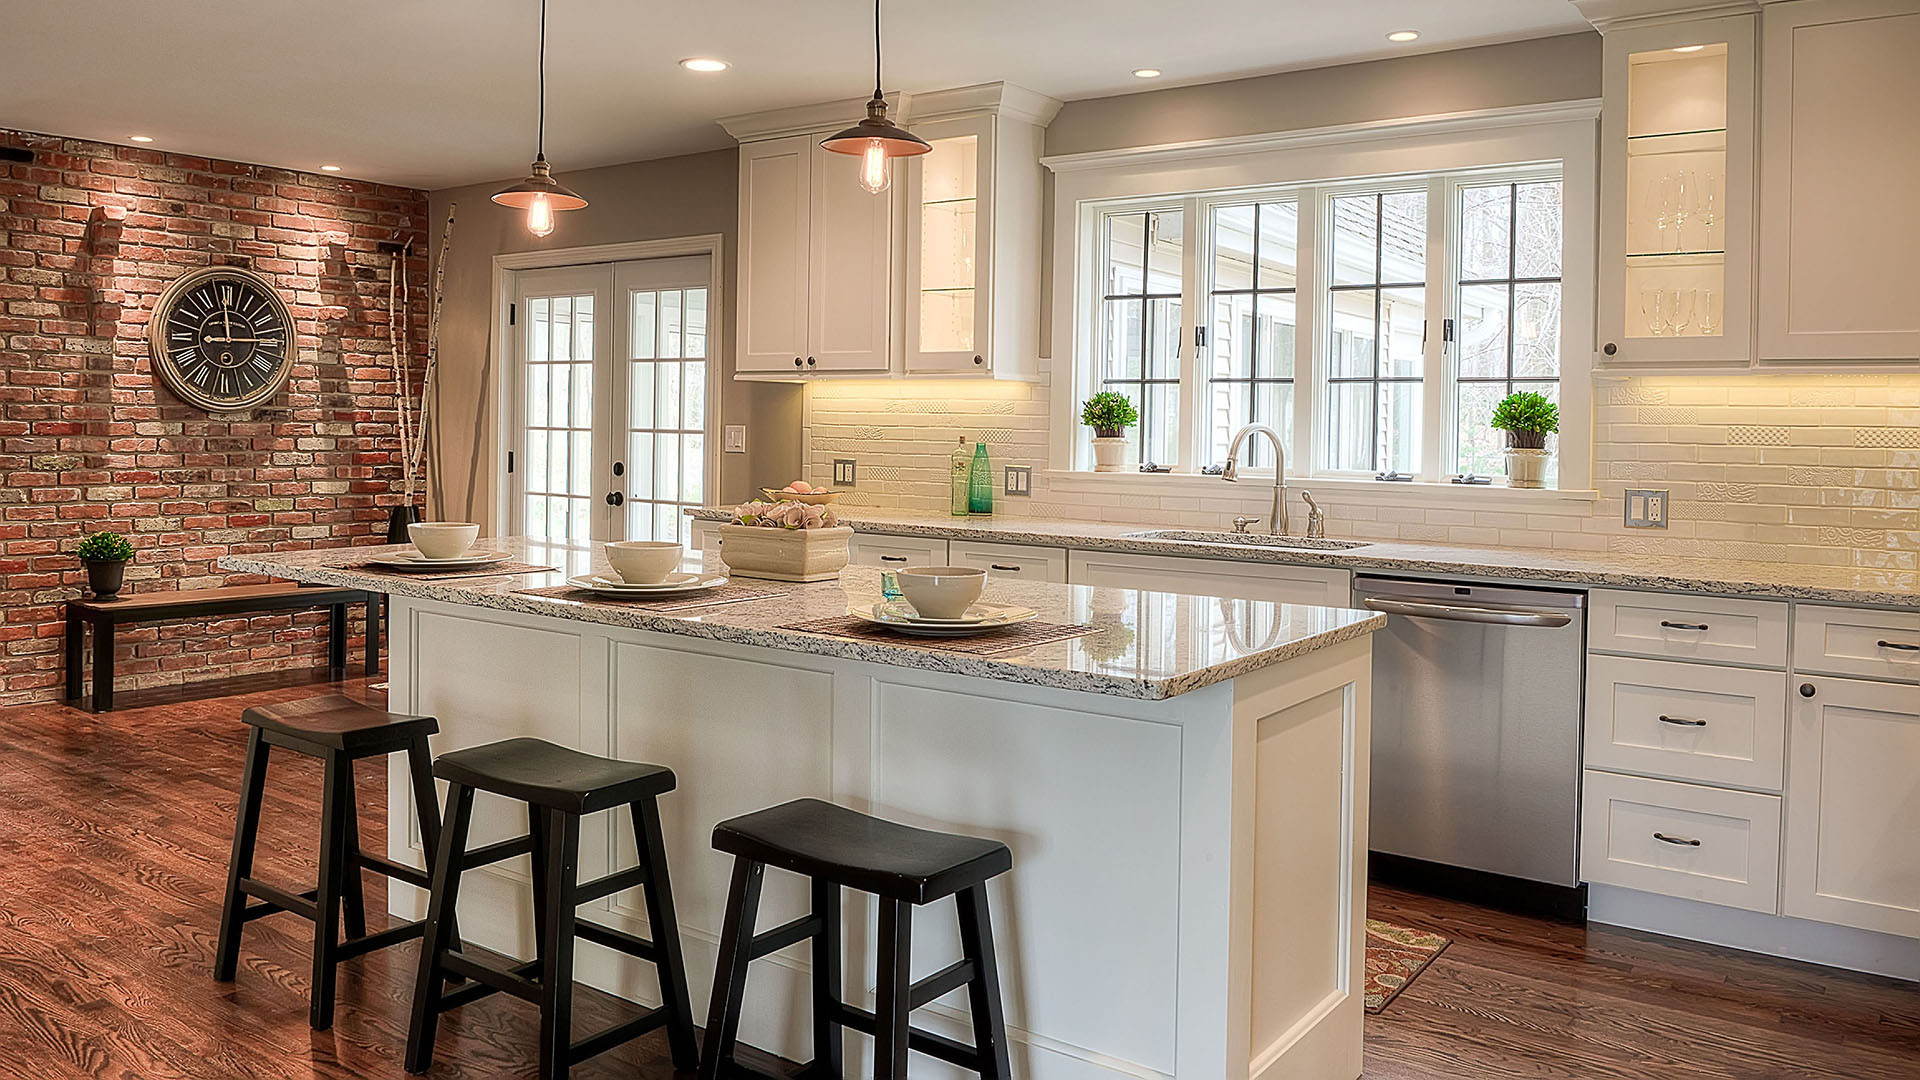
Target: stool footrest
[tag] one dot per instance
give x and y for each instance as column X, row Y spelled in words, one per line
column 303, row 905
column 392, row 935
column 394, row 870
column 493, row 853
column 800, row 929
column 926, row 1042
column 505, row 980
column 618, row 940
column 475, row 989
column 599, row 888
column 616, row 1035
column 952, row 977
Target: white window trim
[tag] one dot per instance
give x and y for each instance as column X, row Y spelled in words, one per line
column 1086, row 185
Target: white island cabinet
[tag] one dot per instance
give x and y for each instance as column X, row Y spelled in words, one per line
column 1184, row 792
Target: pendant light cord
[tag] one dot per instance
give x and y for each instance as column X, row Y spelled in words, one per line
column 540, row 140
column 876, row 48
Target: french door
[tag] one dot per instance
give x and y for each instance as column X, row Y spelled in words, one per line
column 611, row 400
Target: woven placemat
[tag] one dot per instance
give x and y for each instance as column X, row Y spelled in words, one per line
column 501, row 569
column 724, row 594
column 989, row 643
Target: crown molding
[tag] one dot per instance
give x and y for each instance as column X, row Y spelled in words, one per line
column 825, row 116
column 1000, row 98
column 1608, row 14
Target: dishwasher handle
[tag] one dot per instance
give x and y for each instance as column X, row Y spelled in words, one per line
column 1461, row 613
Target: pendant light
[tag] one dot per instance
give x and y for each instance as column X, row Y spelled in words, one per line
column 540, row 195
column 876, row 141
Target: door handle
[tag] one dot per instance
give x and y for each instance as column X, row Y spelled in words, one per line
column 1903, row 646
column 614, row 498
column 1456, row 613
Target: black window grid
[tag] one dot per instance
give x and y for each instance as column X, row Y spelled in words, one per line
column 1379, row 288
column 1512, row 281
column 1253, row 380
column 1149, row 420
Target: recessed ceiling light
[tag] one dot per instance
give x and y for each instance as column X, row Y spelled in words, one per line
column 141, row 138
column 329, row 168
column 704, row 63
column 1146, row 73
column 1403, row 36
column 1689, row 48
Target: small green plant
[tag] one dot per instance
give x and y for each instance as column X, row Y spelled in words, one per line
column 1109, row 414
column 105, row 547
column 1527, row 418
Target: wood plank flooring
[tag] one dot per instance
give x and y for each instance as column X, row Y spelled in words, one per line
column 114, row 832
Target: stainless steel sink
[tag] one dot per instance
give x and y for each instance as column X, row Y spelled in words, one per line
column 1264, row 540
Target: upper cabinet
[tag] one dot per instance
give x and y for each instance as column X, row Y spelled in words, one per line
column 938, row 275
column 1676, row 190
column 1840, row 168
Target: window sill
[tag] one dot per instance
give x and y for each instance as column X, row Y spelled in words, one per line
column 1415, row 492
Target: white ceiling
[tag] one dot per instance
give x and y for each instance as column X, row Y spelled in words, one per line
column 435, row 93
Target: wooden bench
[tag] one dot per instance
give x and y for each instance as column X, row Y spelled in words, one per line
column 104, row 615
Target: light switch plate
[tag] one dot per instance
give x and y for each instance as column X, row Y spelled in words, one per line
column 736, row 438
column 1646, row 508
column 1019, row 480
column 843, row 472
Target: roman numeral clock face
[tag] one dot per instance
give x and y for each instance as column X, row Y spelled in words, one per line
column 222, row 339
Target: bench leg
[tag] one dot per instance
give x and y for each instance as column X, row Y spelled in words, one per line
column 102, row 667
column 76, row 660
column 337, row 639
column 373, row 633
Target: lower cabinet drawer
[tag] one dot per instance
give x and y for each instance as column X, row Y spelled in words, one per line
column 1697, row 843
column 896, row 552
column 1867, row 642
column 1028, row 561
column 1715, row 725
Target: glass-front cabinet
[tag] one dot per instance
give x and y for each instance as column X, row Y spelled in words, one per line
column 1677, row 213
column 950, row 256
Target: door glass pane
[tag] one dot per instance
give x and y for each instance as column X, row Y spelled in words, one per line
column 948, row 205
column 557, row 441
column 666, row 421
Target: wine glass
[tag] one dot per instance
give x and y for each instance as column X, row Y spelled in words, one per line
column 1650, row 306
column 1708, row 324
column 1681, row 321
column 1658, row 204
column 1710, row 205
column 1683, row 188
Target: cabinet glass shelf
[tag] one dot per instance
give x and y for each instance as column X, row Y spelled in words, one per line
column 1676, row 134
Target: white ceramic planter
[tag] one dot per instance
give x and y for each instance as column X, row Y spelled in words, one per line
column 1109, row 454
column 784, row 554
column 1526, row 468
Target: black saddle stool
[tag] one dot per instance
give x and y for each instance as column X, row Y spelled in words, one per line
column 339, row 731
column 559, row 786
column 905, row 867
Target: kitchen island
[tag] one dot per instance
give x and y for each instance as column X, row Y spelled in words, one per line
column 1184, row 792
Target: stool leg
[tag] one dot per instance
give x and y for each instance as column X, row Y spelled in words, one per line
column 665, row 927
column 443, row 897
column 537, row 829
column 427, row 808
column 556, row 960
column 827, row 1058
column 353, row 886
column 730, row 969
column 983, row 993
column 246, row 830
column 894, row 982
column 335, row 804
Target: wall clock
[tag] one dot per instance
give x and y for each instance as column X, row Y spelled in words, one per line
column 222, row 339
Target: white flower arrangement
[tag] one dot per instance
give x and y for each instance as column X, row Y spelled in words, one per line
column 785, row 515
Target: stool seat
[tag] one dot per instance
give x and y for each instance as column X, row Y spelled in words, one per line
column 340, row 723
column 538, row 772
column 886, row 858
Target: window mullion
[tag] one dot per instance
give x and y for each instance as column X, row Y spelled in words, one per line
column 1437, row 398
column 1195, row 256
column 1306, row 455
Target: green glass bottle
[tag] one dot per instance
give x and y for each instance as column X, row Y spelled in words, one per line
column 960, row 479
column 980, row 486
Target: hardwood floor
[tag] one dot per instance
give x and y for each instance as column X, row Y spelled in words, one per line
column 114, row 832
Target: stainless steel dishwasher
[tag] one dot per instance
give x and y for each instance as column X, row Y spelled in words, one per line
column 1476, row 739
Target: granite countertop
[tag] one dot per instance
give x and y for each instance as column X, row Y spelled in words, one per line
column 1150, row 645
column 1724, row 577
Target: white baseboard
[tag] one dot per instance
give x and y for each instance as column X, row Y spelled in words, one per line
column 1774, row 935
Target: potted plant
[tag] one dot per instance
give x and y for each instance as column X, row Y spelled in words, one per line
column 785, row 541
column 1527, row 418
column 105, row 555
column 1109, row 414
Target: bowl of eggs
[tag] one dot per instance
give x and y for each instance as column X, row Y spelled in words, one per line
column 802, row 492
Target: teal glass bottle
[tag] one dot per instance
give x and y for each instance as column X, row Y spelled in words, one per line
column 980, row 485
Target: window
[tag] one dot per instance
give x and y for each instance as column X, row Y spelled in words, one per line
column 666, row 432
column 557, row 476
column 1372, row 323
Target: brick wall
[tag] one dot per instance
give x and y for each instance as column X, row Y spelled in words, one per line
column 89, row 236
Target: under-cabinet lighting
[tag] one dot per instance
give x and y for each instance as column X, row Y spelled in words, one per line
column 329, row 168
column 1404, row 36
column 140, row 138
column 1689, row 48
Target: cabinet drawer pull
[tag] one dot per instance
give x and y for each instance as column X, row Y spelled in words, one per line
column 893, row 558
column 1677, row 841
column 1682, row 721
column 997, row 566
column 1683, row 625
column 1903, row 646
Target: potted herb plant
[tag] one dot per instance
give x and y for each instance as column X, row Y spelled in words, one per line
column 785, row 541
column 105, row 555
column 1527, row 418
column 1109, row 414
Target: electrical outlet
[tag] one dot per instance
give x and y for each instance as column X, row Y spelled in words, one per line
column 1646, row 508
column 843, row 472
column 1019, row 480
column 736, row 438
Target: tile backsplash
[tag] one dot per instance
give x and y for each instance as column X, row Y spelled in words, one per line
column 1816, row 469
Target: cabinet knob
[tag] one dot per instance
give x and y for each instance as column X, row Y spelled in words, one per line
column 796, row 361
column 1609, row 348
column 979, row 359
column 809, row 361
column 1806, row 689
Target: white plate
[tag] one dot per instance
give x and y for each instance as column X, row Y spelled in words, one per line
column 674, row 585
column 982, row 618
column 462, row 562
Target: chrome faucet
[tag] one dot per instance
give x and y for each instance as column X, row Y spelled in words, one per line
column 1316, row 518
column 1276, row 521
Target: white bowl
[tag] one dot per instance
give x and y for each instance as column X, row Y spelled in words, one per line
column 942, row 592
column 644, row 562
column 443, row 539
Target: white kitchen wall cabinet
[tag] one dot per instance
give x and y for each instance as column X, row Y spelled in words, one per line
column 776, row 180
column 1212, row 577
column 1840, row 151
column 1853, row 805
column 1676, row 194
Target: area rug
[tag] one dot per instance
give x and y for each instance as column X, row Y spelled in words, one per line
column 1395, row 956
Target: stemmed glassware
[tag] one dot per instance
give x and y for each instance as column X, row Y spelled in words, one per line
column 1672, row 312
